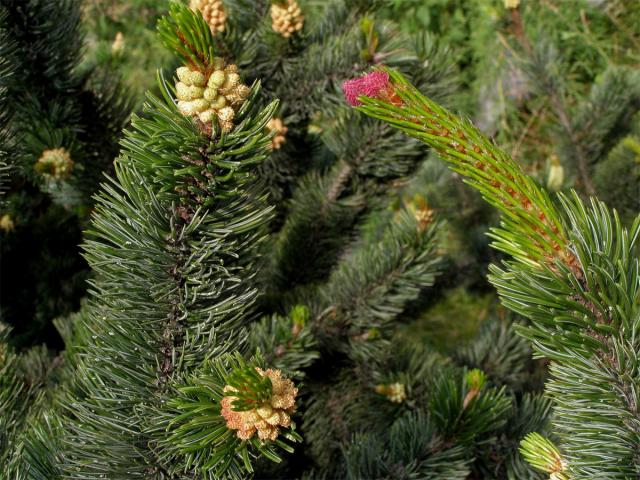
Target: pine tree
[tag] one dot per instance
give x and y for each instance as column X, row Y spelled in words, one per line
column 555, row 83
column 219, row 329
column 354, row 160
column 62, row 135
column 574, row 273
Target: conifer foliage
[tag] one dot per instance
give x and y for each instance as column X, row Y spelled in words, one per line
column 221, row 331
column 259, row 247
column 63, row 134
column 574, row 274
column 185, row 216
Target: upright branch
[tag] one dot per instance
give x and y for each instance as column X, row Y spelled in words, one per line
column 532, row 231
column 174, row 243
column 575, row 276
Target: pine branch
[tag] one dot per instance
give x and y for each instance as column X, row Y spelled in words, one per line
column 188, row 36
column 532, row 230
column 582, row 303
column 54, row 46
column 354, row 404
column 410, row 448
column 371, row 285
column 310, row 239
column 173, row 245
column 22, row 395
column 287, row 343
column 498, row 352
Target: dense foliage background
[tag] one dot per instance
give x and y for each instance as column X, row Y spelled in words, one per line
column 576, row 50
column 351, row 258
